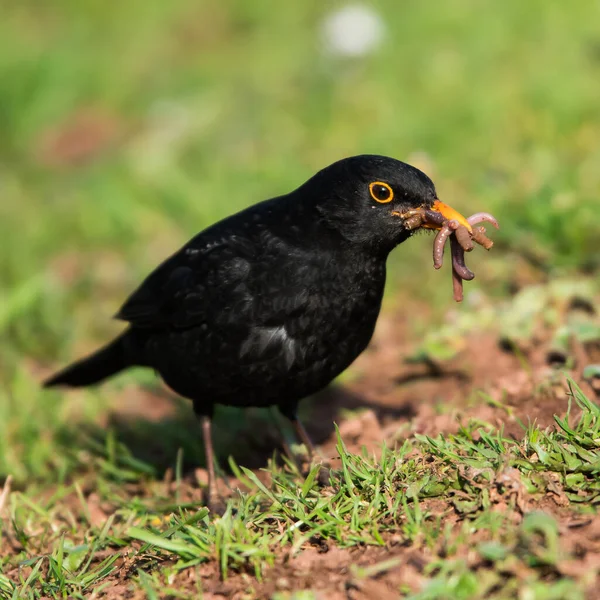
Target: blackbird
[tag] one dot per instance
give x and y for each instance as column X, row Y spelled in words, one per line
column 269, row 305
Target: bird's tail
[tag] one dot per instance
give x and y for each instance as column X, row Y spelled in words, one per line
column 94, row 368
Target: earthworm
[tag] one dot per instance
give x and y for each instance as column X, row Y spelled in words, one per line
column 457, row 286
column 463, row 236
column 434, row 217
column 481, row 238
column 460, row 242
column 413, row 222
column 458, row 260
column 440, row 241
column 483, row 216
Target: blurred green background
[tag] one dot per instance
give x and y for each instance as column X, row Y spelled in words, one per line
column 127, row 127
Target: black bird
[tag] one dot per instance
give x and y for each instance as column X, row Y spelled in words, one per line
column 270, row 304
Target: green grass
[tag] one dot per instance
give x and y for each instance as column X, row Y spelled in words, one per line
column 219, row 106
column 473, row 548
column 203, row 109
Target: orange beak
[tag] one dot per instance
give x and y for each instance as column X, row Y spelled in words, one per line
column 449, row 213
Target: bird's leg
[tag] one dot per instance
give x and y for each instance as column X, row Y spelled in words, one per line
column 302, row 434
column 304, row 437
column 213, row 500
column 290, row 411
column 284, row 437
column 210, row 458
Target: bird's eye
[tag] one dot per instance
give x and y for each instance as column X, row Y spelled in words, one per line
column 381, row 192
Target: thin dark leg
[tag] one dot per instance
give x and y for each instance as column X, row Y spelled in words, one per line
column 212, row 494
column 323, row 475
column 290, row 410
column 281, row 428
column 288, row 451
column 304, row 437
column 204, row 412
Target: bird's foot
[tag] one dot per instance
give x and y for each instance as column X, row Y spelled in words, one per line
column 215, row 502
column 322, row 474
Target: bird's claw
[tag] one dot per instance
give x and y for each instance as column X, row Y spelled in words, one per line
column 215, row 503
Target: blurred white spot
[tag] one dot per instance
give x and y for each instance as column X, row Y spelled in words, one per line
column 354, row 30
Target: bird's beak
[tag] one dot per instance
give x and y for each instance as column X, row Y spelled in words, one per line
column 432, row 217
column 449, row 214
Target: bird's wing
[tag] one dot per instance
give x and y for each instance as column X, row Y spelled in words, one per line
column 226, row 284
column 180, row 292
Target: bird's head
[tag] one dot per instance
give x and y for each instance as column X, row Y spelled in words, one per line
column 368, row 198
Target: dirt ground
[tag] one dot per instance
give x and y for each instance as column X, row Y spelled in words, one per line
column 399, row 399
column 396, row 399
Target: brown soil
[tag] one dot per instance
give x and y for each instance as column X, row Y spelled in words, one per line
column 399, row 399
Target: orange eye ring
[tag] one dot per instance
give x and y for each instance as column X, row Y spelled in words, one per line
column 381, row 192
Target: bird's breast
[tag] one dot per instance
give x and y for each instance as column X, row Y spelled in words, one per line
column 337, row 322
column 294, row 345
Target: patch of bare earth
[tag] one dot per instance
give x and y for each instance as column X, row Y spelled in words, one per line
column 362, row 573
